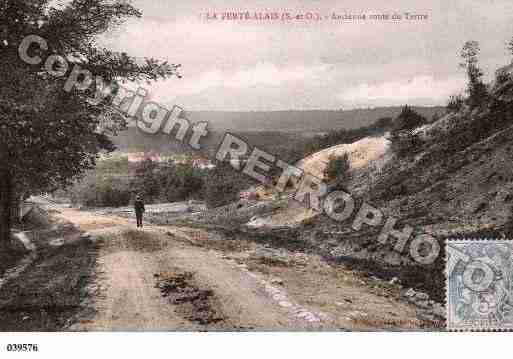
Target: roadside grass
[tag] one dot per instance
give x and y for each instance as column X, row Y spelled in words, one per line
column 51, row 293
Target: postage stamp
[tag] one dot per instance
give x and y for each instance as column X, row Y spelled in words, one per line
column 479, row 284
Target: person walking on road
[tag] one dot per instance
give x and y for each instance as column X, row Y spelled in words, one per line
column 139, row 210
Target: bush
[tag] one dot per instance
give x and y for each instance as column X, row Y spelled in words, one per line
column 146, row 181
column 501, row 98
column 337, row 170
column 455, row 103
column 408, row 120
column 181, row 182
column 223, row 186
column 404, row 140
column 220, row 191
column 101, row 192
column 157, row 183
column 113, row 193
column 168, row 182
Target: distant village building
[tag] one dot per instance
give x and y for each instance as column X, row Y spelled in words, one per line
column 203, row 164
column 144, row 156
column 137, row 157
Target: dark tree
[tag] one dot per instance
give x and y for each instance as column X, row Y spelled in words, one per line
column 455, row 103
column 408, row 120
column 48, row 135
column 223, row 185
column 476, row 89
column 337, row 170
column 146, row 181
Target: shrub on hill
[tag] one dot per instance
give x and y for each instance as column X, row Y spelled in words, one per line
column 337, row 170
column 223, row 185
column 404, row 140
column 181, row 182
column 146, row 181
column 408, row 120
column 168, row 182
column 455, row 103
column 101, row 192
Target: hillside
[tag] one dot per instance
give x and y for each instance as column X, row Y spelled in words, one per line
column 134, row 140
column 457, row 182
column 361, row 154
column 364, row 154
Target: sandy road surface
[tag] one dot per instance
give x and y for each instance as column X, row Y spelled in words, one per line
column 128, row 299
column 240, row 294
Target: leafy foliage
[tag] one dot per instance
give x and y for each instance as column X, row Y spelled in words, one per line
column 476, row 89
column 223, row 185
column 337, row 170
column 103, row 192
column 404, row 140
column 408, row 120
column 455, row 103
column 49, row 136
column 146, row 181
column 168, row 182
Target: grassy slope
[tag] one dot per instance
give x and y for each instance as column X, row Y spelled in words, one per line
column 50, row 293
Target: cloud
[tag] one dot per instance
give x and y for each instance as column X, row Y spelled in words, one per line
column 418, row 89
column 194, row 43
column 264, row 74
column 280, row 65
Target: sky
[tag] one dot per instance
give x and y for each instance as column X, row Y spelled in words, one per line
column 250, row 65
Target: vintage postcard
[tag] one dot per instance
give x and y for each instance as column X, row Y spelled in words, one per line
column 269, row 166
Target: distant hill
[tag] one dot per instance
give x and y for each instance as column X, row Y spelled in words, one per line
column 134, row 140
column 299, row 121
column 263, row 128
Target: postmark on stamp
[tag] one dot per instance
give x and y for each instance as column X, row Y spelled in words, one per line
column 479, row 284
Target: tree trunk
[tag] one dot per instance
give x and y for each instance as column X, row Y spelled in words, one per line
column 6, row 194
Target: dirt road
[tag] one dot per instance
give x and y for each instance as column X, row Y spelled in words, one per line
column 175, row 278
